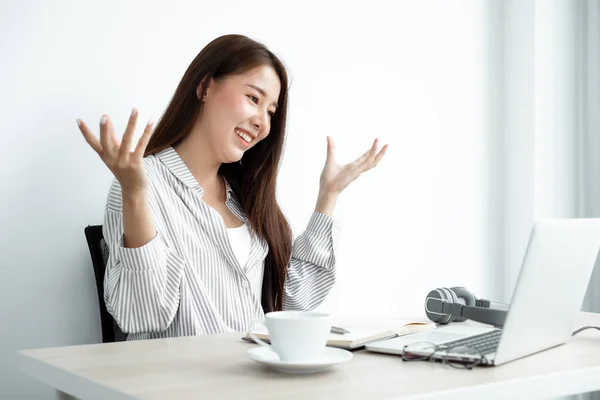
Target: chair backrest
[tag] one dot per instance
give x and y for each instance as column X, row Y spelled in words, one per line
column 99, row 253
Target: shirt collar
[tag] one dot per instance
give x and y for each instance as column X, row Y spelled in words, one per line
column 175, row 164
column 228, row 190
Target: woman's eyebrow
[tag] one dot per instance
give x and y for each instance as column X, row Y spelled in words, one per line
column 262, row 92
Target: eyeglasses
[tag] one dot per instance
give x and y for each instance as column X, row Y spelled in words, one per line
column 460, row 357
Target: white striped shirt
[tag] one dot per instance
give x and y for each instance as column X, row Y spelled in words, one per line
column 187, row 280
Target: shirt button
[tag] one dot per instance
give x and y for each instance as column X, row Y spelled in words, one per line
column 244, row 284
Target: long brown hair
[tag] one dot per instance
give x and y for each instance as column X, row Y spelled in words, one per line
column 254, row 184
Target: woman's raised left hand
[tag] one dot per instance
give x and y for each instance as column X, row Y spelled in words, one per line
column 336, row 177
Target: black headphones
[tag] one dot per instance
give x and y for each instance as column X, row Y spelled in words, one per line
column 457, row 304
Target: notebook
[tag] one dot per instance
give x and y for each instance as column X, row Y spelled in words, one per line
column 361, row 333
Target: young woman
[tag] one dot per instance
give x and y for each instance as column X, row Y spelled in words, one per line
column 198, row 243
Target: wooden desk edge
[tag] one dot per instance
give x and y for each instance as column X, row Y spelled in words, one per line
column 65, row 381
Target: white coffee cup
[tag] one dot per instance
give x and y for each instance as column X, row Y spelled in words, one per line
column 297, row 336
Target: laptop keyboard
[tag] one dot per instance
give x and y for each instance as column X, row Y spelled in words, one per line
column 484, row 343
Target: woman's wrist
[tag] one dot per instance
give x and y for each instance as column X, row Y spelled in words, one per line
column 326, row 203
column 134, row 197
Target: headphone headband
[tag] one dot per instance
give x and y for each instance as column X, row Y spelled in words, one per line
column 457, row 304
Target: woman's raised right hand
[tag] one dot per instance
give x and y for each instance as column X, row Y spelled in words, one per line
column 126, row 165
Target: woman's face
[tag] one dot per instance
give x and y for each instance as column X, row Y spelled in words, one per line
column 237, row 111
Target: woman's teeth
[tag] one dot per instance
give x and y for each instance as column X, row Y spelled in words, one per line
column 243, row 135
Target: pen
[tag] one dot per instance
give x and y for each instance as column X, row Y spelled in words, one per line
column 336, row 329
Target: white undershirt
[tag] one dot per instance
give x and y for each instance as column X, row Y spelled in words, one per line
column 241, row 244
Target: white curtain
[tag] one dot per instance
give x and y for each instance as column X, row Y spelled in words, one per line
column 588, row 150
column 551, row 109
column 590, row 131
column 589, row 134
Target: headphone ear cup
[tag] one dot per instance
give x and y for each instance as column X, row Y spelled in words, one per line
column 441, row 294
column 463, row 294
column 452, row 299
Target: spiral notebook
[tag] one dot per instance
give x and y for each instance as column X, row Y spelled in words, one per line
column 360, row 333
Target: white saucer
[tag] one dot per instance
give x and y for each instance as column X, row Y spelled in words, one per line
column 266, row 356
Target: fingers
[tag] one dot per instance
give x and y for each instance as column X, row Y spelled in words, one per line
column 108, row 147
column 107, row 139
column 330, row 149
column 362, row 159
column 372, row 158
column 111, row 133
column 126, row 143
column 380, row 155
column 89, row 136
column 143, row 142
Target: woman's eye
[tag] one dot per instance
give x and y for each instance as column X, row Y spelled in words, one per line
column 271, row 113
column 253, row 98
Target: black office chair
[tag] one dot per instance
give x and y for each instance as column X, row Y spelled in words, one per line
column 99, row 252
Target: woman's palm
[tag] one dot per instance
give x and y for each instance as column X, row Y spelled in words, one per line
column 336, row 177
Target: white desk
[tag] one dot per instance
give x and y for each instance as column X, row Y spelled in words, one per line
column 216, row 366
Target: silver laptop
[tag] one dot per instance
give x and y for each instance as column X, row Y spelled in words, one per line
column 545, row 304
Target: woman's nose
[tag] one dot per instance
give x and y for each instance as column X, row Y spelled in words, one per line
column 259, row 121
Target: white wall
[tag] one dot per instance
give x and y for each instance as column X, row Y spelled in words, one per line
column 419, row 74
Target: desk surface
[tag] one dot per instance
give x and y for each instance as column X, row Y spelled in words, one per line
column 217, row 366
